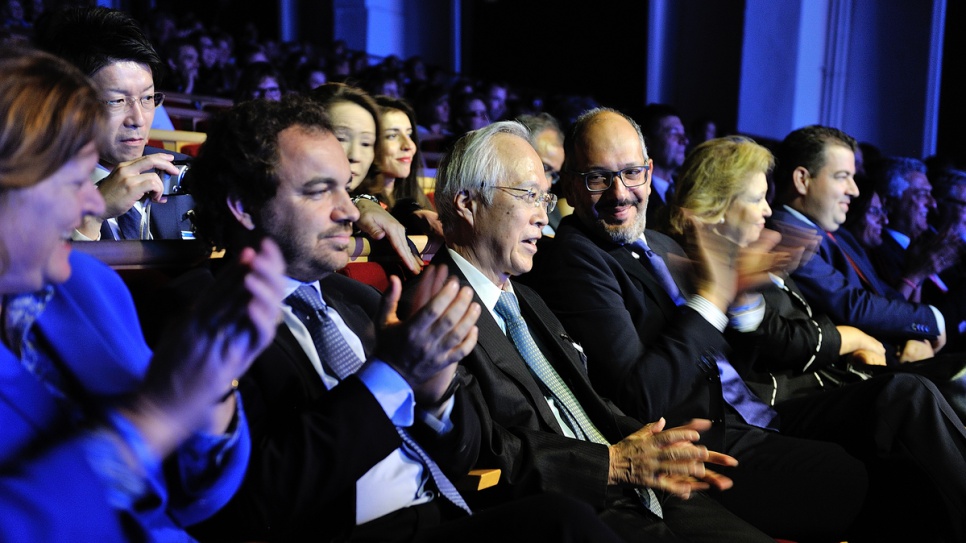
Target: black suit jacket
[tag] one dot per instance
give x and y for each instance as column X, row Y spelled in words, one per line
column 519, row 432
column 310, row 444
column 652, row 358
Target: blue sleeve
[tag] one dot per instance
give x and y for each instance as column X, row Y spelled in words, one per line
column 56, row 496
column 206, row 470
column 829, row 291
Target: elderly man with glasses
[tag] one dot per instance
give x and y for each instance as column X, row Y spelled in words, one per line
column 139, row 184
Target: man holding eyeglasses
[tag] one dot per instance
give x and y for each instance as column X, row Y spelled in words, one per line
column 654, row 339
column 112, row 50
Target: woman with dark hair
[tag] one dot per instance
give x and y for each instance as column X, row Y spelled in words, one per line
column 898, row 424
column 355, row 118
column 88, row 411
column 399, row 163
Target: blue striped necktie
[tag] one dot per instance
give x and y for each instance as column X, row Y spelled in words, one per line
column 338, row 356
column 508, row 308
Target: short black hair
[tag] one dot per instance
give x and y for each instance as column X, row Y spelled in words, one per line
column 652, row 116
column 805, row 147
column 94, row 37
column 240, row 159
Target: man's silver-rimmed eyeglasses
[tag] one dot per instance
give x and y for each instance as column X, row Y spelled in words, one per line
column 530, row 196
column 601, row 180
column 148, row 102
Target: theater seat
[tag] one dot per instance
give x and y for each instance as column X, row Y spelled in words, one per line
column 370, row 273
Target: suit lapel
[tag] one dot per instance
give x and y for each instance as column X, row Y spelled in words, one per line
column 500, row 351
column 630, row 262
column 290, row 349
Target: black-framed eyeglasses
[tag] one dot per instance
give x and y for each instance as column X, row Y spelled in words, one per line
column 530, row 196
column 148, row 102
column 552, row 175
column 601, row 180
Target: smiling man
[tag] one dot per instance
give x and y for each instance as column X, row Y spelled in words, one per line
column 814, row 180
column 111, row 49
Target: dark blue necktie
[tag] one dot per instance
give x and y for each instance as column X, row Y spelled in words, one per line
column 338, row 356
column 331, row 346
column 733, row 388
column 129, row 224
column 658, row 268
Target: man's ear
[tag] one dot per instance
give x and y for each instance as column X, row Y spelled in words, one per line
column 466, row 206
column 801, row 179
column 238, row 210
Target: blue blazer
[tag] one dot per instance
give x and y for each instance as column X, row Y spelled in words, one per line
column 832, row 286
column 92, row 328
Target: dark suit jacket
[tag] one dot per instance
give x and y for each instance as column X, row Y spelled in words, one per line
column 644, row 352
column 833, row 287
column 519, row 432
column 311, row 444
column 888, row 259
column 170, row 219
column 793, row 352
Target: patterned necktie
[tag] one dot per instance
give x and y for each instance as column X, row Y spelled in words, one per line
column 508, row 308
column 129, row 224
column 332, row 348
column 443, row 483
column 20, row 313
column 338, row 356
column 658, row 268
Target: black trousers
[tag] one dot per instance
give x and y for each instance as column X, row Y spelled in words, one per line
column 696, row 520
column 912, row 444
column 537, row 518
column 790, row 487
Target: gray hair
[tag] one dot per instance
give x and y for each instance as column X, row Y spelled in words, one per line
column 537, row 124
column 890, row 174
column 473, row 163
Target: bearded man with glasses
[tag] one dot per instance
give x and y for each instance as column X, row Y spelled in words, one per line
column 111, row 49
column 651, row 324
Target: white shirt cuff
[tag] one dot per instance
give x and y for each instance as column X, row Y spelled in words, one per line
column 709, row 311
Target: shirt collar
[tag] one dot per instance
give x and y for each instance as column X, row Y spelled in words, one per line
column 902, row 239
column 485, row 289
column 798, row 214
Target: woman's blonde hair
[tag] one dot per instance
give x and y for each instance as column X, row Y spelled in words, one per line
column 713, row 175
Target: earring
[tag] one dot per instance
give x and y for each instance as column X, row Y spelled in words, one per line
column 721, row 220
